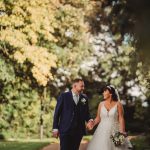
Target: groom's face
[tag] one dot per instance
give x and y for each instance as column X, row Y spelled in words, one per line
column 79, row 86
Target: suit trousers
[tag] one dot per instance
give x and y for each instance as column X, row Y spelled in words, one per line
column 70, row 140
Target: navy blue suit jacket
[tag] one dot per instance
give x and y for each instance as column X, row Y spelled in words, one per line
column 64, row 112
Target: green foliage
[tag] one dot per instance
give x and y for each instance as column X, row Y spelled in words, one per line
column 6, row 71
column 140, row 143
column 133, row 27
column 21, row 112
column 35, row 37
column 139, row 111
column 22, row 145
column 58, row 31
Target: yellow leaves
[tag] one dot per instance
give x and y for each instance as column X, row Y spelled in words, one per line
column 41, row 19
column 77, row 3
column 35, row 19
column 41, row 59
column 42, row 62
column 19, row 57
column 56, row 3
column 4, row 20
column 52, row 103
column 12, row 20
column 33, row 53
column 18, row 11
column 41, row 79
column 33, row 37
column 72, row 20
column 2, row 6
column 14, row 37
column 32, row 29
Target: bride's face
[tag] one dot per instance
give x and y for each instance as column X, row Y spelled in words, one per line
column 106, row 94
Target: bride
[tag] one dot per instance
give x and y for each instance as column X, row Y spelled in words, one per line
column 110, row 119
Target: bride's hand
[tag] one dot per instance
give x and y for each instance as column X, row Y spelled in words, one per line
column 125, row 134
column 90, row 125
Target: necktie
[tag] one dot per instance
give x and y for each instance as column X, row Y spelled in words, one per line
column 76, row 97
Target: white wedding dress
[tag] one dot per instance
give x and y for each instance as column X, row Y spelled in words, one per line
column 109, row 124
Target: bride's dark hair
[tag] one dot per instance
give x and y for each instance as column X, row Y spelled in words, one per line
column 112, row 91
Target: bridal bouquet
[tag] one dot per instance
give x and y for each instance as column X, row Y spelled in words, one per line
column 118, row 138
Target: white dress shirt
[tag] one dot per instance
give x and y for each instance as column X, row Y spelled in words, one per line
column 75, row 98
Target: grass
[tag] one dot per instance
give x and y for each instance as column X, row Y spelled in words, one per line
column 141, row 143
column 5, row 145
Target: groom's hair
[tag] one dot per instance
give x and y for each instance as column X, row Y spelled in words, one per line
column 76, row 80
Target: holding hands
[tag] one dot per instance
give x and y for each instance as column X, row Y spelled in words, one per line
column 90, row 124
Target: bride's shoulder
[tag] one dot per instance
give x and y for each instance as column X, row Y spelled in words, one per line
column 119, row 104
column 101, row 103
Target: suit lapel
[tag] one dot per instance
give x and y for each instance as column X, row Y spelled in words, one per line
column 80, row 96
column 80, row 103
column 71, row 97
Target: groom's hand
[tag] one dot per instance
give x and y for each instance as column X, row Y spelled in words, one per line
column 55, row 133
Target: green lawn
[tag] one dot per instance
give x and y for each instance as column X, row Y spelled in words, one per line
column 141, row 144
column 22, row 145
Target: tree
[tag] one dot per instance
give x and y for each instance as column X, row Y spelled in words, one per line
column 39, row 43
column 128, row 21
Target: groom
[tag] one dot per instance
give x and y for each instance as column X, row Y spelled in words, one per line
column 71, row 113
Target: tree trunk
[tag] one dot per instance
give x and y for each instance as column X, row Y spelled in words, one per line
column 43, row 97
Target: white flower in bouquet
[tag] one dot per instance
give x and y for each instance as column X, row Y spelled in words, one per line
column 118, row 138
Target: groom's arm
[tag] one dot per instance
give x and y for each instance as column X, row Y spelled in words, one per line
column 57, row 113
